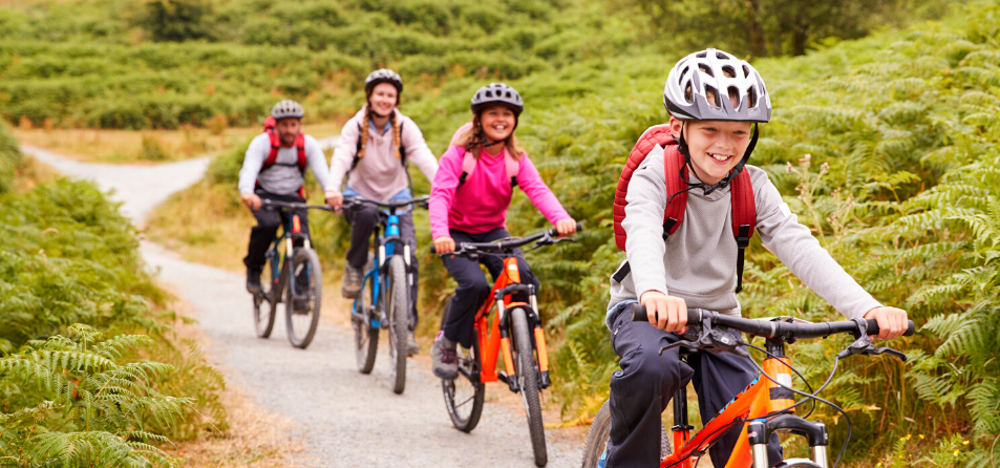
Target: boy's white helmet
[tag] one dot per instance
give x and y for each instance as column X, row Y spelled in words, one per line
column 699, row 86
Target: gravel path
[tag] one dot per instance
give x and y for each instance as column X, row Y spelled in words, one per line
column 345, row 418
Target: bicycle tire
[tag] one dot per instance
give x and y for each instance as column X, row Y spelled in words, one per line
column 399, row 321
column 301, row 322
column 528, row 380
column 464, row 418
column 600, row 433
column 264, row 304
column 797, row 463
column 365, row 336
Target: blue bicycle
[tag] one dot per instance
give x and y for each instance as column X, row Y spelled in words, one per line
column 384, row 301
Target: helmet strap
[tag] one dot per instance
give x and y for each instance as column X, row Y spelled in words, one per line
column 683, row 148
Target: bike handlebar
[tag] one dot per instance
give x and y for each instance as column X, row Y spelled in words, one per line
column 775, row 329
column 273, row 205
column 355, row 200
column 466, row 248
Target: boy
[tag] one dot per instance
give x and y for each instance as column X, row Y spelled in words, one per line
column 694, row 266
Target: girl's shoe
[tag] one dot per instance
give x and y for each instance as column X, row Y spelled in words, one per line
column 351, row 288
column 444, row 360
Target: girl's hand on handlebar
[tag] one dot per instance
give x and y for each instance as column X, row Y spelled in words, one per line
column 251, row 200
column 892, row 322
column 336, row 201
column 566, row 227
column 443, row 245
column 668, row 313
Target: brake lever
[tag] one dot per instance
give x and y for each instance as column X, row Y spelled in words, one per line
column 863, row 346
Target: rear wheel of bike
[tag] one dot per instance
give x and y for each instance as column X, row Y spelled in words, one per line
column 528, row 374
column 302, row 306
column 464, row 396
column 398, row 313
column 264, row 303
column 595, row 451
column 365, row 335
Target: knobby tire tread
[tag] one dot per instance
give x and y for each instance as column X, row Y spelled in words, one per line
column 527, row 376
column 307, row 256
column 398, row 301
column 479, row 394
column 366, row 354
column 266, row 303
column 600, row 433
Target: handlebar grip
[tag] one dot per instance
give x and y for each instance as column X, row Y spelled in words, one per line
column 433, row 250
column 873, row 327
column 638, row 312
column 554, row 232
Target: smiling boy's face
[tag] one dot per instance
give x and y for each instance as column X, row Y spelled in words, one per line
column 716, row 146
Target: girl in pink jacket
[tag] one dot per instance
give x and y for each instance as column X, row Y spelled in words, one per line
column 469, row 204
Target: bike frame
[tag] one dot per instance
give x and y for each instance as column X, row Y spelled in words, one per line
column 759, row 399
column 386, row 248
column 493, row 338
column 291, row 232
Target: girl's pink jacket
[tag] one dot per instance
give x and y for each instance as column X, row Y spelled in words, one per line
column 481, row 203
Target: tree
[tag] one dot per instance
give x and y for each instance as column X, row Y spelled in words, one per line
column 177, row 20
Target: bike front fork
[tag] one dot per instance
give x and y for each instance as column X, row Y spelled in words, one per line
column 759, row 431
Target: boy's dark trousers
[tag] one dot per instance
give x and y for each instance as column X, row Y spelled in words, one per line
column 647, row 381
column 268, row 222
column 472, row 286
column 363, row 220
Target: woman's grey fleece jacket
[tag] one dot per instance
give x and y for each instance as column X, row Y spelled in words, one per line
column 698, row 262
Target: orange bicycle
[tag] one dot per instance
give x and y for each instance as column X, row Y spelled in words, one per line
column 516, row 330
column 765, row 407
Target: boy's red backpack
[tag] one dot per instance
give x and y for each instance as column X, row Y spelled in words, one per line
column 270, row 128
column 676, row 171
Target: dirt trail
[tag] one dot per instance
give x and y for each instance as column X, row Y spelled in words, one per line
column 345, row 419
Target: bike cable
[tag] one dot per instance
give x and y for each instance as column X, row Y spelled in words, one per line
column 813, row 396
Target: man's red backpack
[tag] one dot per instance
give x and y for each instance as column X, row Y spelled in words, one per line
column 743, row 206
column 270, row 128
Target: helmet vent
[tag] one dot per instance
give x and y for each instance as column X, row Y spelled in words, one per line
column 712, row 96
column 683, row 72
column 746, row 71
column 701, row 54
column 687, row 94
column 729, row 71
column 734, row 96
column 752, row 97
column 722, row 56
column 706, row 69
column 489, row 94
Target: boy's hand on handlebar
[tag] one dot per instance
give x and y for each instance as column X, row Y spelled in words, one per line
column 566, row 227
column 668, row 313
column 251, row 200
column 892, row 322
column 443, row 245
column 336, row 201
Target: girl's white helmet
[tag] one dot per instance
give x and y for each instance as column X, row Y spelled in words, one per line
column 701, row 85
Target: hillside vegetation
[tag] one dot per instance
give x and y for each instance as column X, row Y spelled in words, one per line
column 90, row 371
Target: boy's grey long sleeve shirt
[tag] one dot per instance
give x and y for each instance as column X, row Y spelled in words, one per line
column 283, row 178
column 698, row 262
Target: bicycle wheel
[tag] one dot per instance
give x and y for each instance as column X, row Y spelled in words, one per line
column 264, row 304
column 595, row 451
column 365, row 335
column 464, row 396
column 527, row 377
column 302, row 306
column 399, row 321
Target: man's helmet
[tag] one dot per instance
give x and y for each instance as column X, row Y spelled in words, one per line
column 287, row 108
column 497, row 93
column 700, row 85
column 383, row 75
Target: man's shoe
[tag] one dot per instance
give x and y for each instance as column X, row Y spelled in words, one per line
column 412, row 348
column 253, row 280
column 352, row 282
column 444, row 360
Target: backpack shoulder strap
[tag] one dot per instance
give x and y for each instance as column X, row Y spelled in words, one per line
column 674, row 171
column 300, row 146
column 272, row 156
column 468, row 165
column 744, row 219
column 655, row 136
column 513, row 167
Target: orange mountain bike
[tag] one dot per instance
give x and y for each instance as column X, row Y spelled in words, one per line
column 516, row 331
column 765, row 407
